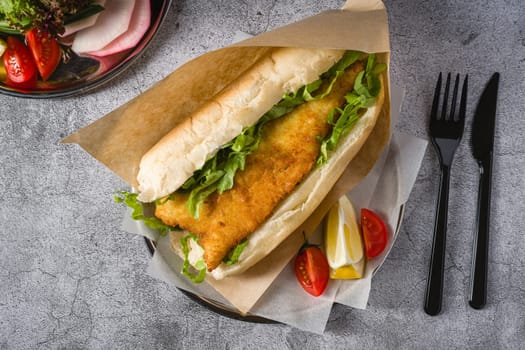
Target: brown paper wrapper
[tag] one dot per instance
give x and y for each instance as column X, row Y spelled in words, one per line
column 120, row 138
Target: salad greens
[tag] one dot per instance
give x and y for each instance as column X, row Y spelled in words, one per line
column 366, row 88
column 218, row 172
column 130, row 199
column 235, row 253
column 200, row 265
column 19, row 16
column 197, row 272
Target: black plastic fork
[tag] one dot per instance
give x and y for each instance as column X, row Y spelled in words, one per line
column 445, row 134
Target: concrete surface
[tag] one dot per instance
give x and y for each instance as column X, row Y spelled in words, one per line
column 71, row 279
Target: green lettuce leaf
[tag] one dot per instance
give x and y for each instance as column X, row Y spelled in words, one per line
column 366, row 89
column 207, row 186
column 130, row 199
column 235, row 253
column 349, row 58
column 196, row 274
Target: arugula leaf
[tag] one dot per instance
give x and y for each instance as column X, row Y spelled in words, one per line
column 235, row 253
column 200, row 274
column 130, row 199
column 366, row 89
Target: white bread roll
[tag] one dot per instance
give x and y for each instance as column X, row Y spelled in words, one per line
column 165, row 167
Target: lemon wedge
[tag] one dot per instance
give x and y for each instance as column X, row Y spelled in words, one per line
column 3, row 73
column 350, row 272
column 3, row 46
column 343, row 242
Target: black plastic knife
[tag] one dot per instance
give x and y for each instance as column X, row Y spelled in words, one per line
column 483, row 128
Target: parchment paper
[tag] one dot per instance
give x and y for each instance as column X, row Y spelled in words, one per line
column 120, row 138
column 385, row 189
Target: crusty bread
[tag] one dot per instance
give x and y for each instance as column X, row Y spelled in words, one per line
column 165, row 167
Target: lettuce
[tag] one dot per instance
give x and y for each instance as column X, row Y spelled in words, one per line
column 197, row 272
column 130, row 199
column 199, row 275
column 366, row 89
column 235, row 253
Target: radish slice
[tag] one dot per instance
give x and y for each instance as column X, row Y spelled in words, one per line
column 83, row 23
column 139, row 24
column 107, row 62
column 111, row 23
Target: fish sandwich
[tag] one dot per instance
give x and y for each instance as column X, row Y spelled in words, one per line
column 243, row 172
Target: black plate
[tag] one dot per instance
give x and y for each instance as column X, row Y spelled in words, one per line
column 82, row 74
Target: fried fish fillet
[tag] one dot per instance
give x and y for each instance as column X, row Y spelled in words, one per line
column 287, row 153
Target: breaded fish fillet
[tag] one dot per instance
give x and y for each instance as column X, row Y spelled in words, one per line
column 287, row 152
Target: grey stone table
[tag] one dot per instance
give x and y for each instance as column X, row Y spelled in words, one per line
column 71, row 279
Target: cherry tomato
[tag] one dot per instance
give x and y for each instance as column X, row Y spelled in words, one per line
column 31, row 83
column 374, row 233
column 311, row 269
column 45, row 51
column 18, row 62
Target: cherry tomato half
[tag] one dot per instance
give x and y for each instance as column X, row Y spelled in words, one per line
column 311, row 269
column 374, row 233
column 45, row 51
column 26, row 85
column 18, row 62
